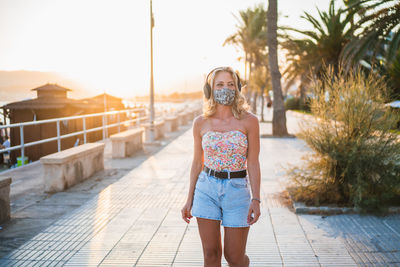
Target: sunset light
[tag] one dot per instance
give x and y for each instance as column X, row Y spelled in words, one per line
column 104, row 45
column 199, row 133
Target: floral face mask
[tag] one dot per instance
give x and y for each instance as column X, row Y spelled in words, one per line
column 224, row 96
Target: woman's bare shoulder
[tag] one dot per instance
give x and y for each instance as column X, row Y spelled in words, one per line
column 248, row 116
column 250, row 119
column 198, row 123
column 199, row 120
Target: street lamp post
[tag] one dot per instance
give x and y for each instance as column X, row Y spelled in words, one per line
column 151, row 75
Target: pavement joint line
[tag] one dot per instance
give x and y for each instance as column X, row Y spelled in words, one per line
column 391, row 228
column 117, row 242
column 144, row 249
column 273, row 231
column 179, row 245
column 308, row 240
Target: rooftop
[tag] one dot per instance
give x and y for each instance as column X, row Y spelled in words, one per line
column 51, row 87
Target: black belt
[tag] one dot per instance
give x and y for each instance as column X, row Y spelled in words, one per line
column 225, row 174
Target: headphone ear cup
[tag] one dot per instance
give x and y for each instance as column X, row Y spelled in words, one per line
column 239, row 83
column 207, row 90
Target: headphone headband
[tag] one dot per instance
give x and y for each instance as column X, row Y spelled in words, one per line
column 207, row 86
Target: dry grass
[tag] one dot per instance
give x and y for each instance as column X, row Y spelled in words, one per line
column 356, row 155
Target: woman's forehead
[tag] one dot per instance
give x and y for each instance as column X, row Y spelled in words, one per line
column 223, row 76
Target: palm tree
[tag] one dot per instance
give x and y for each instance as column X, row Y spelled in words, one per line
column 323, row 45
column 377, row 46
column 279, row 115
column 394, row 76
column 261, row 80
column 241, row 38
column 300, row 56
column 380, row 26
column 251, row 38
column 307, row 56
column 353, row 5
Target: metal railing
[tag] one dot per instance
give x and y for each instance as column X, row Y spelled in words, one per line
column 160, row 112
column 137, row 120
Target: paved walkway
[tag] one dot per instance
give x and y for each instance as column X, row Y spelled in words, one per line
column 136, row 221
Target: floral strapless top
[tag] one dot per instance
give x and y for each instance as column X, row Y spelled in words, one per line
column 225, row 150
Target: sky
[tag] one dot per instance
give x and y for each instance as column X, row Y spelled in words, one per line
column 105, row 44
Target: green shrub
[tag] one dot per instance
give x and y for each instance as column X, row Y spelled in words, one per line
column 292, row 103
column 306, row 104
column 295, row 103
column 356, row 157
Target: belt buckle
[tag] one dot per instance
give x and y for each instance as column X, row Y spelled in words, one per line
column 229, row 175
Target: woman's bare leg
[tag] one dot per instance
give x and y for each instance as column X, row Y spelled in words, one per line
column 210, row 235
column 235, row 240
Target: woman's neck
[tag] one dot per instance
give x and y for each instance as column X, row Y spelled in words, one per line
column 223, row 112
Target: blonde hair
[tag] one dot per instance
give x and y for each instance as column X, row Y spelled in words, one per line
column 239, row 106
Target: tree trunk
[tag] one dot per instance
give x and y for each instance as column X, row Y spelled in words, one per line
column 245, row 67
column 279, row 115
column 250, row 69
column 254, row 102
column 262, row 104
column 302, row 91
column 253, row 90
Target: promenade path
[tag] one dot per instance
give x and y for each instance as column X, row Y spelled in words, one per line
column 136, row 221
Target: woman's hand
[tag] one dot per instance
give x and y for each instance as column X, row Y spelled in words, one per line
column 254, row 212
column 186, row 214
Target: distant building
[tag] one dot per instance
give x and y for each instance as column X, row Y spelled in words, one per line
column 52, row 102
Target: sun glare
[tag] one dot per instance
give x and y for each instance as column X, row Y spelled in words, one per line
column 104, row 45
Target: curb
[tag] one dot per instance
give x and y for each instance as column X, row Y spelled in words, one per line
column 301, row 208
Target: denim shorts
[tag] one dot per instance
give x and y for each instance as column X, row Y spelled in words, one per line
column 227, row 200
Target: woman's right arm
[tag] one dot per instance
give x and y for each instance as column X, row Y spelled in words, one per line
column 197, row 165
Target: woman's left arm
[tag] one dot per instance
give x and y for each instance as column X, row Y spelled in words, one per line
column 253, row 167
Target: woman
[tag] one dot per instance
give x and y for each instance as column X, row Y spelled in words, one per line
column 219, row 192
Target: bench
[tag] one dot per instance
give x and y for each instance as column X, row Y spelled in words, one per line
column 191, row 114
column 198, row 111
column 71, row 166
column 4, row 198
column 183, row 118
column 158, row 130
column 171, row 123
column 127, row 142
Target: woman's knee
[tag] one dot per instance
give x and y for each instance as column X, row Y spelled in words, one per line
column 236, row 259
column 212, row 254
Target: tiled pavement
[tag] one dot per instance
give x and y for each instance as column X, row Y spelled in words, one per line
column 136, row 221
